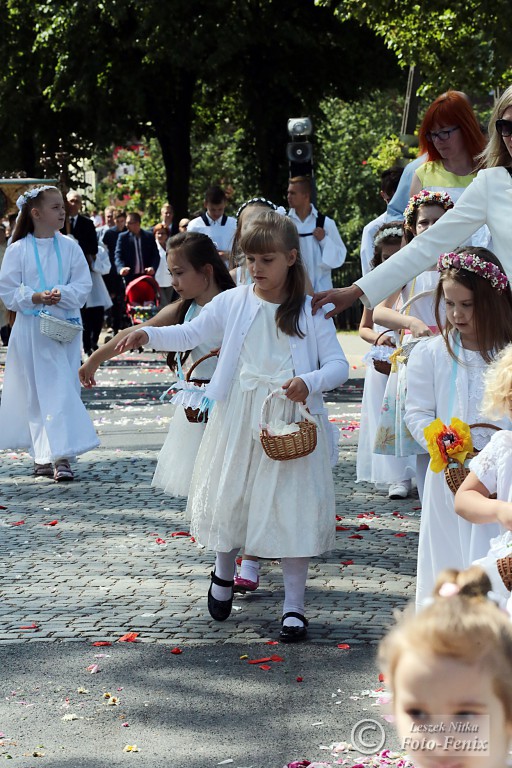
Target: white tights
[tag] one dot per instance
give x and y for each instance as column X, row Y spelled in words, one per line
column 295, row 572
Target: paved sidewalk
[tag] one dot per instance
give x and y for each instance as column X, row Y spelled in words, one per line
column 118, row 559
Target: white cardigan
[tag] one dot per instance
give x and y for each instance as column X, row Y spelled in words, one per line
column 317, row 358
column 487, row 200
column 429, row 372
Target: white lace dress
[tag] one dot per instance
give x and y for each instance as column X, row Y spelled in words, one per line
column 238, row 496
column 447, row 540
column 178, row 454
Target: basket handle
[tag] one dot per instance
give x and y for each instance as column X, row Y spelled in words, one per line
column 303, row 410
column 198, row 362
column 383, row 334
column 485, row 426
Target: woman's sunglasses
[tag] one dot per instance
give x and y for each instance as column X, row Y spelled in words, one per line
column 504, row 127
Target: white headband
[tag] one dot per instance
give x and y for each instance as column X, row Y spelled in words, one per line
column 30, row 194
column 388, row 232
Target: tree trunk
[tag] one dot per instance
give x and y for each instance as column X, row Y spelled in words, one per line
column 172, row 129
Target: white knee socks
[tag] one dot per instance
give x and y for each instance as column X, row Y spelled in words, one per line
column 224, row 569
column 295, row 573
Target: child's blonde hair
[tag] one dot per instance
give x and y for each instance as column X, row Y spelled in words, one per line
column 466, row 626
column 497, row 400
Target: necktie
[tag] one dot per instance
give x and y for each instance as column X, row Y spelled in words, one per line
column 138, row 259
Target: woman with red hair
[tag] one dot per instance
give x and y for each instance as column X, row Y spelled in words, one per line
column 451, row 138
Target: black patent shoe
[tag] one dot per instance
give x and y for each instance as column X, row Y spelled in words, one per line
column 293, row 634
column 219, row 610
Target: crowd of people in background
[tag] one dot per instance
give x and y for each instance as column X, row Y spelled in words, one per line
column 437, row 318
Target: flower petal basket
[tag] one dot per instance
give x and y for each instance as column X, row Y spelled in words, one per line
column 287, row 447
column 63, row 331
column 455, row 473
column 196, row 415
column 504, row 565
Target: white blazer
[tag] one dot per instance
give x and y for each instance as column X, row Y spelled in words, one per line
column 429, row 373
column 317, row 358
column 487, row 200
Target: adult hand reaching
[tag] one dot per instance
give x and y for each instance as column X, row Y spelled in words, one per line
column 134, row 340
column 342, row 298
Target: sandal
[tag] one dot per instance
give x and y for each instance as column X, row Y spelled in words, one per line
column 62, row 471
column 293, row 634
column 43, row 470
column 219, row 609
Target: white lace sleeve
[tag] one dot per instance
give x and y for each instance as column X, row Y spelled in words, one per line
column 485, row 464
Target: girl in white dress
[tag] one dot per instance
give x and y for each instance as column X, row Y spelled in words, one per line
column 41, row 407
column 239, row 497
column 446, row 380
column 384, row 471
column 198, row 274
column 446, row 664
column 418, row 320
column 491, row 469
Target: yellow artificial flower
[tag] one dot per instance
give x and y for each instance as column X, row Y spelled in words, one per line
column 447, row 443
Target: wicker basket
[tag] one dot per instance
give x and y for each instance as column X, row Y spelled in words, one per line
column 455, row 473
column 195, row 415
column 504, row 565
column 382, row 366
column 286, row 447
column 57, row 329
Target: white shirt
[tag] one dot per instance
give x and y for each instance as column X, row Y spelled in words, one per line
column 317, row 358
column 222, row 236
column 162, row 275
column 320, row 257
column 367, row 247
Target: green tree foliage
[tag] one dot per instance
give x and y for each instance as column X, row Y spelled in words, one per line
column 101, row 73
column 349, row 151
column 464, row 44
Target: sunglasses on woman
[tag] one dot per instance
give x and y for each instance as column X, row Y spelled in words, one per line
column 504, row 127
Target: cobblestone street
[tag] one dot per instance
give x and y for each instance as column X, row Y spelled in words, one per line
column 95, row 559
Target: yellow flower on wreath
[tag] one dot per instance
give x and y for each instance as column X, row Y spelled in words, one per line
column 447, row 443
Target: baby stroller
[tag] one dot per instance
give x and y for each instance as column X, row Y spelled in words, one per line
column 142, row 299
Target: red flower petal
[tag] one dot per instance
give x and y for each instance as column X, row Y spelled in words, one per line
column 260, row 661
column 299, row 679
column 160, row 541
column 52, row 522
column 265, row 667
column 176, row 651
column 363, row 527
column 356, row 536
column 180, row 533
column 347, row 562
column 2, row 506
column 342, row 528
column 101, row 643
column 272, row 642
column 19, row 522
column 343, row 646
column 276, row 658
column 400, row 534
column 130, row 637
column 381, row 678
column 30, row 626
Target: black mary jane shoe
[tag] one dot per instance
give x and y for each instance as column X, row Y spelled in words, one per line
column 219, row 610
column 293, row 634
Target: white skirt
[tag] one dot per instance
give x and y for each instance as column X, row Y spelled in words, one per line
column 374, row 467
column 241, row 498
column 177, row 457
column 41, row 409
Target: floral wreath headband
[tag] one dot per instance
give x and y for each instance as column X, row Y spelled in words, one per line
column 472, row 263
column 388, row 232
column 261, row 201
column 425, row 198
column 31, row 194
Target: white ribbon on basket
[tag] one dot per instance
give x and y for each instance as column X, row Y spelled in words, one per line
column 251, row 379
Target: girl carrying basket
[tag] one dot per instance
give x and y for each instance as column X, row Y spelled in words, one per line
column 43, row 270
column 239, row 497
